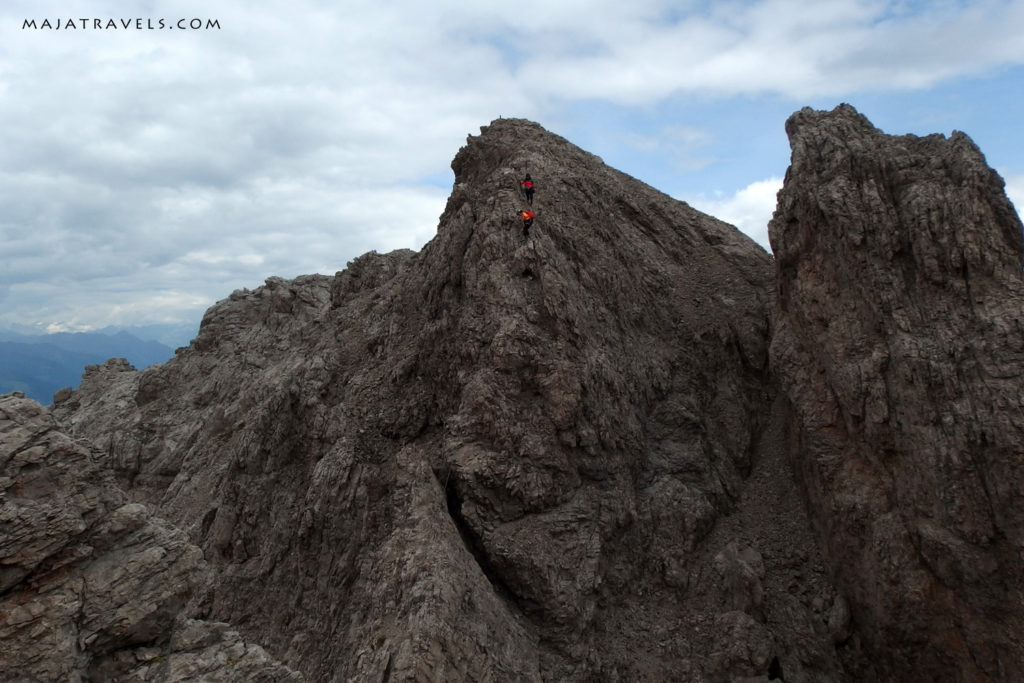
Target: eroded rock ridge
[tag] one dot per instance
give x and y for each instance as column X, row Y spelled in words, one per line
column 591, row 455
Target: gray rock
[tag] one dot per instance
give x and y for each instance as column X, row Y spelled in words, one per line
column 93, row 585
column 568, row 457
column 898, row 341
column 741, row 572
column 494, row 459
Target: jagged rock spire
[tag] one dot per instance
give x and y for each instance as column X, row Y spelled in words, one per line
column 898, row 341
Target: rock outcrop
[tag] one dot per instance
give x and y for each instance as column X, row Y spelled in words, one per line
column 497, row 458
column 92, row 586
column 899, row 338
column 632, row 447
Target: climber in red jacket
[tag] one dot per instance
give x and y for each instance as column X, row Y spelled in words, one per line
column 526, row 184
column 527, row 217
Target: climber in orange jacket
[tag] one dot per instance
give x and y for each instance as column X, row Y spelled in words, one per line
column 526, row 185
column 527, row 217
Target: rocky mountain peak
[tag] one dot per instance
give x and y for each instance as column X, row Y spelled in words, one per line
column 898, row 341
column 841, row 146
column 548, row 427
column 628, row 446
column 515, row 144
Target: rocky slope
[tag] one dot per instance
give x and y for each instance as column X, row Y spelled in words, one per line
column 92, row 586
column 900, row 342
column 568, row 458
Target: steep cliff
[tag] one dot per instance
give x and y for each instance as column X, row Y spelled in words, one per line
column 497, row 458
column 899, row 338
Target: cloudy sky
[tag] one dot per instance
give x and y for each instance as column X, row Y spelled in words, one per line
column 147, row 172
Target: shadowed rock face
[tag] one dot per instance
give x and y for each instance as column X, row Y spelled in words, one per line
column 898, row 339
column 566, row 458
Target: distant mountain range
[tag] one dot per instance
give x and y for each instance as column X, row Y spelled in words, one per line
column 168, row 334
column 40, row 364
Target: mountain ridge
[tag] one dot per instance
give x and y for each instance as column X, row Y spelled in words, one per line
column 593, row 454
column 519, row 377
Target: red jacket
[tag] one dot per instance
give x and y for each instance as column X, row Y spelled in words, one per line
column 528, row 184
column 526, row 215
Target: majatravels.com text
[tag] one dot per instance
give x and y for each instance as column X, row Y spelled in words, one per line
column 121, row 24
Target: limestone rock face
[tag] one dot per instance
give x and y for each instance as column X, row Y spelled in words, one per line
column 899, row 340
column 92, row 585
column 498, row 458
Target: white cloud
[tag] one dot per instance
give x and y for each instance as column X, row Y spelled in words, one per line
column 1015, row 191
column 749, row 209
column 785, row 47
column 686, row 145
column 141, row 163
column 148, row 173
